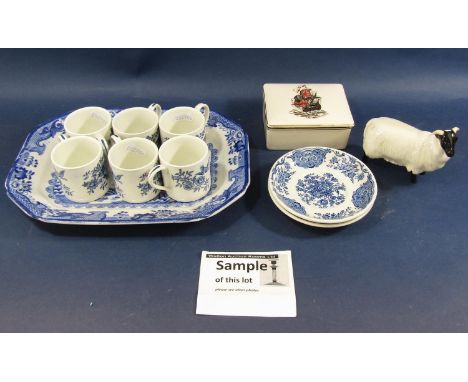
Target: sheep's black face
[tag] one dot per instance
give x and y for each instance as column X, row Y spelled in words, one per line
column 447, row 141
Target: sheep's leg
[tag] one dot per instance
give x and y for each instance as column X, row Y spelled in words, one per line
column 423, row 173
column 414, row 177
column 364, row 158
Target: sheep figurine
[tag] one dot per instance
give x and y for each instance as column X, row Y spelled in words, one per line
column 404, row 145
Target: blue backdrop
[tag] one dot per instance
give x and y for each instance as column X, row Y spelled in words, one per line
column 402, row 268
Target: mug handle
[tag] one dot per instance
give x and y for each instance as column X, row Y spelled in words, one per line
column 105, row 145
column 152, row 173
column 206, row 110
column 115, row 139
column 156, row 108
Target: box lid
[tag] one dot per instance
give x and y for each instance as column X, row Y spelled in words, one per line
column 306, row 106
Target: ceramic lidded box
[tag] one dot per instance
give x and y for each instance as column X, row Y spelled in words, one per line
column 300, row 115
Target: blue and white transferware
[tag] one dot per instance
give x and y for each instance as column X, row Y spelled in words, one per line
column 185, row 168
column 80, row 165
column 131, row 161
column 35, row 188
column 139, row 122
column 91, row 121
column 184, row 120
column 322, row 185
column 312, row 223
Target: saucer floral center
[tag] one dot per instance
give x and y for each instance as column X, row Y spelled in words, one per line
column 321, row 190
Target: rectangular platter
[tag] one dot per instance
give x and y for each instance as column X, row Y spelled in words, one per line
column 33, row 186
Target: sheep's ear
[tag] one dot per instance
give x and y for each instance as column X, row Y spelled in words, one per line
column 455, row 130
column 438, row 132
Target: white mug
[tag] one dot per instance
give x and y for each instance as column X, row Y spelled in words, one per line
column 185, row 168
column 131, row 160
column 138, row 122
column 184, row 120
column 81, row 167
column 90, row 121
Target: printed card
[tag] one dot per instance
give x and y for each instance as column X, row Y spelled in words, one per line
column 246, row 284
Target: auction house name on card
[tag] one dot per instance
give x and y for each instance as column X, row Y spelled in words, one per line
column 246, row 284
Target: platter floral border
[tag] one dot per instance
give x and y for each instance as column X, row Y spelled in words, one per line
column 238, row 155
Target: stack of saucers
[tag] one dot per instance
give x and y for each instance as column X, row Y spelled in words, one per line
column 322, row 187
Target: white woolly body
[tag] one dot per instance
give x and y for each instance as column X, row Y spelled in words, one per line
column 403, row 145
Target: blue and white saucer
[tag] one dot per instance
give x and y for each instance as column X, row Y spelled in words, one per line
column 322, row 185
column 312, row 223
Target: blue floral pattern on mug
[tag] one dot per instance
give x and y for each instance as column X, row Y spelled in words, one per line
column 96, row 178
column 322, row 191
column 309, row 158
column 144, row 186
column 118, row 183
column 190, row 181
column 154, row 137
